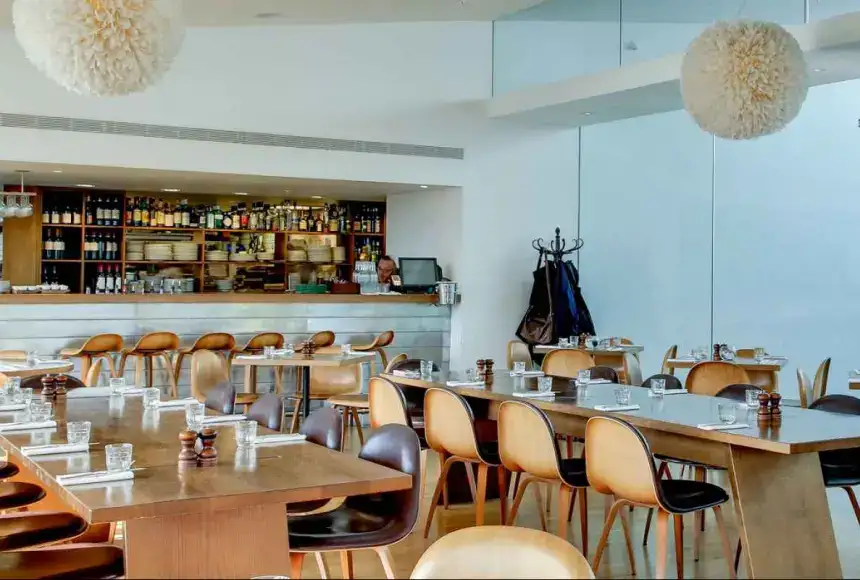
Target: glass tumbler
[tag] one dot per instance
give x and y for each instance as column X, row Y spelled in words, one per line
column 622, row 396
column 726, row 413
column 117, row 385
column 583, row 377
column 32, row 358
column 345, row 350
column 269, row 352
column 519, row 367
column 151, row 397
column 40, row 411
column 472, row 375
column 118, row 456
column 759, row 354
column 426, row 369
column 658, row 387
column 751, row 397
column 563, row 343
column 78, row 432
column 194, row 413
column 246, row 433
column 544, row 384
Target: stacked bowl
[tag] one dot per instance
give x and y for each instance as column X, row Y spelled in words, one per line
column 186, row 251
column 157, row 252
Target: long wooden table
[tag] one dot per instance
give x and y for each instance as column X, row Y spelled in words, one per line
column 778, row 489
column 226, row 521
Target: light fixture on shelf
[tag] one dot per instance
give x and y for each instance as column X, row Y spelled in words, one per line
column 87, row 185
column 423, row 186
column 25, row 209
column 170, row 190
column 100, row 47
column 316, row 197
column 241, row 193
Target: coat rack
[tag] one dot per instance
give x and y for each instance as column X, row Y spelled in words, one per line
column 557, row 247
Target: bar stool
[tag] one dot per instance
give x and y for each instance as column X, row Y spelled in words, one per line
column 323, row 339
column 98, row 346
column 566, row 363
column 62, row 562
column 709, row 377
column 620, row 464
column 150, row 347
column 255, row 346
column 208, row 371
column 527, row 445
column 327, row 383
column 219, row 342
column 449, row 425
column 378, row 346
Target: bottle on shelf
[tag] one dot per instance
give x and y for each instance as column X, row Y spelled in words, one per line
column 168, row 216
column 55, row 214
column 48, row 250
column 176, row 220
column 101, row 281
column 108, row 280
column 116, row 212
column 59, row 246
column 377, row 221
column 118, row 284
column 129, row 211
column 46, row 213
column 66, row 218
column 76, row 216
column 100, row 212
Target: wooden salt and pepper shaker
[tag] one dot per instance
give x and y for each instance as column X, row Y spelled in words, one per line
column 208, row 456
column 763, row 408
column 716, row 352
column 775, row 408
column 187, row 455
column 49, row 389
column 482, row 374
column 61, row 385
column 488, row 364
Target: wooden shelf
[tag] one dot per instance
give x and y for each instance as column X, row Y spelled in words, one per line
column 368, row 234
column 94, row 227
column 76, row 226
column 91, row 261
column 269, row 263
column 177, row 262
column 61, row 261
column 292, row 233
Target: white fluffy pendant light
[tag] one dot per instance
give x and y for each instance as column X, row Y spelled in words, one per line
column 744, row 79
column 100, row 47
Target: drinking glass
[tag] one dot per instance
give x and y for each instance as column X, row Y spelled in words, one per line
column 426, row 369
column 583, row 377
column 117, row 385
column 290, row 349
column 151, row 397
column 519, row 367
column 15, row 396
column 573, row 341
column 32, row 358
column 78, row 431
column 269, row 352
column 13, row 383
column 751, row 396
column 563, row 343
column 595, row 342
column 759, row 354
column 40, row 411
column 246, row 433
column 118, row 456
column 544, row 384
column 345, row 350
column 658, row 387
column 622, row 395
column 471, row 375
column 194, row 413
column 26, row 395
column 726, row 412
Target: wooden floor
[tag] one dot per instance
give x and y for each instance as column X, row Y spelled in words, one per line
column 710, row 565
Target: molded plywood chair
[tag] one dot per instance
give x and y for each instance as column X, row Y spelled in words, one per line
column 527, row 445
column 449, row 426
column 323, row 338
column 327, row 383
column 709, row 377
column 219, row 342
column 841, row 468
column 208, row 370
column 566, row 363
column 518, row 351
column 255, row 346
column 96, row 347
column 91, row 379
column 620, row 464
column 61, row 562
column 632, row 370
column 31, row 529
column 497, row 552
column 746, row 352
column 671, row 352
column 13, row 355
column 396, row 361
column 150, row 347
column 377, row 346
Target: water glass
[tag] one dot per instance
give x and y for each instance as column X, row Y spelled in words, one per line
column 117, row 385
column 290, row 350
column 194, row 413
column 622, row 395
column 118, row 456
column 345, row 350
column 595, row 342
column 32, row 358
column 658, row 387
column 40, row 411
column 519, row 367
column 246, row 433
column 426, row 369
column 471, row 375
column 751, row 396
column 13, row 383
column 583, row 377
column 544, row 384
column 78, row 431
column 726, row 412
column 759, row 354
column 151, row 397
column 269, row 352
column 563, row 343
column 26, row 395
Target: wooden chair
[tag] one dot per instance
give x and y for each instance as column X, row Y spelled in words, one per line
column 518, row 351
column 151, row 346
column 92, row 377
column 323, row 339
column 841, row 468
column 348, row 528
column 804, row 389
column 527, row 445
column 620, row 464
column 96, row 347
column 392, row 364
column 500, row 552
column 219, row 342
column 708, row 377
column 671, row 352
column 209, row 369
column 255, row 346
column 13, row 355
column 566, row 363
column 632, row 370
column 327, row 383
column 819, row 385
column 449, row 426
column 65, row 561
column 377, row 346
column 746, row 352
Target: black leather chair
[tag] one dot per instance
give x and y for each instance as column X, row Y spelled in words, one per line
column 323, row 427
column 373, row 521
column 736, row 392
column 841, row 468
column 672, row 382
column 221, row 398
column 604, row 373
column 268, row 411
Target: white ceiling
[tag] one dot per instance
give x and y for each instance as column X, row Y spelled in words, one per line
column 147, row 180
column 278, row 12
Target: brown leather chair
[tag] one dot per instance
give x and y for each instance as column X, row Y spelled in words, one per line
column 736, row 392
column 323, row 339
column 323, row 427
column 268, row 411
column 209, row 369
column 449, row 425
column 841, row 468
column 518, row 351
column 28, row 530
column 566, row 363
column 99, row 346
column 374, row 521
column 671, row 381
column 620, row 464
column 378, row 346
column 218, row 342
column 63, row 563
column 221, row 398
column 708, row 377
column 155, row 345
column 500, row 552
column 604, row 373
column 671, row 352
column 527, row 445
column 255, row 346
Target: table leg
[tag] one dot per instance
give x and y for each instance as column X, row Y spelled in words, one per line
column 306, row 391
column 250, row 386
column 241, row 543
column 781, row 504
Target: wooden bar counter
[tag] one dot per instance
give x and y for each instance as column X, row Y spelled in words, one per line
column 225, row 521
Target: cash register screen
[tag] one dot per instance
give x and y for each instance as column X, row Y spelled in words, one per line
column 418, row 271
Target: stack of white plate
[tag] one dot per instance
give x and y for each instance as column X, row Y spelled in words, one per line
column 186, row 251
column 242, row 257
column 216, row 256
column 158, row 252
column 319, row 254
column 224, row 284
column 265, row 256
column 134, row 251
column 297, row 256
column 338, row 254
column 269, row 242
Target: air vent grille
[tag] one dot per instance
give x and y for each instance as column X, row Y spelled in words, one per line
column 220, row 136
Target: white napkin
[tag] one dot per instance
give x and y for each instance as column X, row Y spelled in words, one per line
column 176, row 403
column 407, row 374
column 27, row 426
column 722, row 427
column 214, row 420
column 771, row 361
column 13, row 407
column 89, row 393
column 13, row 367
column 94, row 477
column 279, row 439
column 55, row 448
column 534, row 395
column 252, row 356
column 465, row 383
column 528, row 374
column 675, row 391
column 133, row 391
column 615, row 408
column 597, row 382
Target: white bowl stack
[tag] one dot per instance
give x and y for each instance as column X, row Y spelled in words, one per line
column 157, row 252
column 338, row 254
column 319, row 254
column 242, row 257
column 265, row 256
column 134, row 251
column 269, row 243
column 297, row 256
column 224, row 284
column 186, row 251
column 216, row 256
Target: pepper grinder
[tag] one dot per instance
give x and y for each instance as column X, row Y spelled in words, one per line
column 488, row 364
column 49, row 389
column 763, row 408
column 775, row 409
column 208, row 456
column 716, row 352
column 61, row 385
column 482, row 374
column 187, row 455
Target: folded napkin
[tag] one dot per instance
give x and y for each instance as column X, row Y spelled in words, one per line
column 534, row 395
column 133, row 391
column 722, row 426
column 176, row 403
column 27, row 426
column 675, row 391
column 771, row 360
column 55, row 448
column 94, row 477
column 13, row 366
column 279, row 439
column 465, row 383
column 13, row 407
column 216, row 419
column 598, row 382
column 58, row 361
column 406, row 374
column 615, row 408
column 528, row 374
column 252, row 356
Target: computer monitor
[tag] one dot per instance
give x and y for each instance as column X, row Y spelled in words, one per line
column 419, row 272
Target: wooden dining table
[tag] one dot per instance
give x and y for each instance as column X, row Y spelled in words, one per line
column 21, row 368
column 764, row 373
column 224, row 521
column 775, row 474
column 607, row 356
